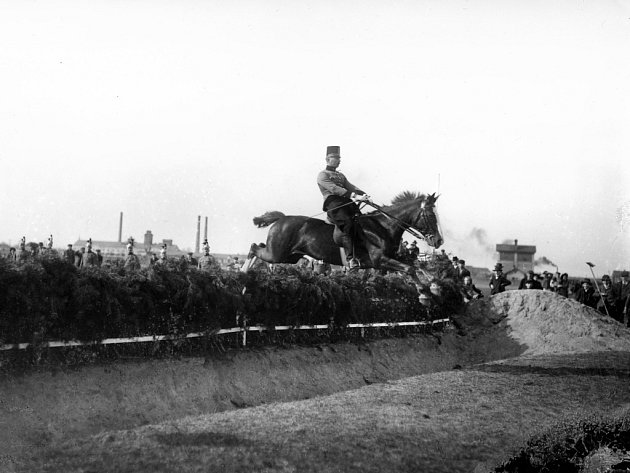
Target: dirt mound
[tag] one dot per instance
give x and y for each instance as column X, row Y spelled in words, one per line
column 531, row 322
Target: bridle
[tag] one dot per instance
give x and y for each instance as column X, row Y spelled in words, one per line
column 412, row 229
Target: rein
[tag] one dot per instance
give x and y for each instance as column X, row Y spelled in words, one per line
column 405, row 226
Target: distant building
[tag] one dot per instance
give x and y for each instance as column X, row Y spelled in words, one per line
column 516, row 259
column 118, row 249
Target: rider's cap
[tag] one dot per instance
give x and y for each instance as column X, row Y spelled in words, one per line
column 333, row 151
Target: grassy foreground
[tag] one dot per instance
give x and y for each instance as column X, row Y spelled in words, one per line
column 461, row 420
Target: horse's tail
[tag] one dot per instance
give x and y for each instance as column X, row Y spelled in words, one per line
column 267, row 218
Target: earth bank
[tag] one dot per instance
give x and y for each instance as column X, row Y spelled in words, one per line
column 44, row 408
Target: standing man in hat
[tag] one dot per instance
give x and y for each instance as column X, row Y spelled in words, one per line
column 623, row 301
column 206, row 262
column 69, row 254
column 607, row 303
column 414, row 251
column 339, row 203
column 11, row 256
column 462, row 270
column 132, row 262
column 498, row 282
column 191, row 260
column 586, row 294
column 89, row 258
column 21, row 256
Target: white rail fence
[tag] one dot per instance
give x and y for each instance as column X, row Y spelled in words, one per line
column 242, row 330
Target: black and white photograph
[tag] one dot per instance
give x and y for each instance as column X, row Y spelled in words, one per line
column 315, row 236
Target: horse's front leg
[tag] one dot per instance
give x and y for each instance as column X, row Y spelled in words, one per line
column 391, row 264
column 255, row 252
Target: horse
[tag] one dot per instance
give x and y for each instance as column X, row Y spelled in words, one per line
column 291, row 237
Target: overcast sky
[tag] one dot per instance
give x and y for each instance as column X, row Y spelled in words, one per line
column 518, row 112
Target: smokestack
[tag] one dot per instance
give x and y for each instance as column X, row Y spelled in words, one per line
column 515, row 254
column 205, row 230
column 120, row 229
column 198, row 232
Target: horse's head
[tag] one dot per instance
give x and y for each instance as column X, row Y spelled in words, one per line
column 428, row 223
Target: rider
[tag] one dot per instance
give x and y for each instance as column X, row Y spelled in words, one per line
column 339, row 203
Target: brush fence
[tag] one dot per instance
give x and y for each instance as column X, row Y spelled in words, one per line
column 242, row 330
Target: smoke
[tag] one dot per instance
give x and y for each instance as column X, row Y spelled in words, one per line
column 480, row 237
column 543, row 260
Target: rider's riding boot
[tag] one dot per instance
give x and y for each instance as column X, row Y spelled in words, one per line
column 348, row 248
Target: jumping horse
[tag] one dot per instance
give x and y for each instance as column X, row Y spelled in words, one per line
column 291, row 237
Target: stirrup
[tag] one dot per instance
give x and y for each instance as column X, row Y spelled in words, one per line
column 354, row 264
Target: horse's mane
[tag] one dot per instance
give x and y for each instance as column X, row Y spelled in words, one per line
column 408, row 196
column 403, row 197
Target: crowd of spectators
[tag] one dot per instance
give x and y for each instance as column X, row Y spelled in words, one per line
column 86, row 256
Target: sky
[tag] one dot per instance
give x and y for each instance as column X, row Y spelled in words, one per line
column 517, row 113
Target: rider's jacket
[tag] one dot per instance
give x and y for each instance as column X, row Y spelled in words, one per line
column 332, row 182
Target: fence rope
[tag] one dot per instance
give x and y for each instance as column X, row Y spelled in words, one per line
column 242, row 330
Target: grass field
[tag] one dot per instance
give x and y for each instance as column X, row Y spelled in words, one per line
column 455, row 421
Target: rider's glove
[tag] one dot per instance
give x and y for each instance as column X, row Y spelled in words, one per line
column 360, row 197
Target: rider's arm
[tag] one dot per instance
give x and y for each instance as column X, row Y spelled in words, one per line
column 328, row 187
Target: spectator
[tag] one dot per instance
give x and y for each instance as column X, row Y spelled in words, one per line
column 233, row 264
column 469, row 291
column 89, row 259
column 623, row 298
column 607, row 300
column 454, row 263
column 78, row 256
column 305, row 263
column 22, row 255
column 413, row 251
column 403, row 250
column 563, row 285
column 531, row 280
column 462, row 271
column 152, row 259
column 11, row 255
column 69, row 254
column 163, row 257
column 498, row 282
column 553, row 284
column 99, row 258
column 546, row 281
column 322, row 267
column 132, row 262
column 206, row 262
column 586, row 294
column 191, row 260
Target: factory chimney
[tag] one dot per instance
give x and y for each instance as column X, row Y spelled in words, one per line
column 515, row 254
column 205, row 230
column 120, row 228
column 198, row 233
